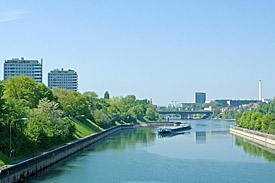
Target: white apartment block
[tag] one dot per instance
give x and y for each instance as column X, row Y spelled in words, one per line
column 16, row 67
column 67, row 79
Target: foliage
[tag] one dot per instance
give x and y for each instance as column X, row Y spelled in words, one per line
column 151, row 114
column 1, row 100
column 3, row 159
column 27, row 90
column 91, row 97
column 46, row 127
column 72, row 102
column 265, row 108
column 263, row 118
column 229, row 114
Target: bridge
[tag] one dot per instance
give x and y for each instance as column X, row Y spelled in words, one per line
column 185, row 114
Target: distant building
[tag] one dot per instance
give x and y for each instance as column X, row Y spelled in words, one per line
column 16, row 67
column 187, row 104
column 267, row 100
column 236, row 103
column 200, row 97
column 67, row 79
column 222, row 101
column 210, row 108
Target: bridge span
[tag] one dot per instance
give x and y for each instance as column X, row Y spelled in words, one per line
column 185, row 114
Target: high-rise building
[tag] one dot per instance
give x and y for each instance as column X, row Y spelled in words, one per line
column 67, row 79
column 200, row 97
column 16, row 67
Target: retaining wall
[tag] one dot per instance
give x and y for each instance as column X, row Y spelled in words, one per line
column 263, row 139
column 25, row 168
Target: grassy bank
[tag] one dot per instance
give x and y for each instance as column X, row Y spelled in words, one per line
column 3, row 159
column 83, row 128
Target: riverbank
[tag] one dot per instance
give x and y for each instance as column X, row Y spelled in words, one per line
column 262, row 139
column 83, row 127
column 25, row 168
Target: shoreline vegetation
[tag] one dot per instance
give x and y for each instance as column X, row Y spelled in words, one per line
column 34, row 118
column 260, row 119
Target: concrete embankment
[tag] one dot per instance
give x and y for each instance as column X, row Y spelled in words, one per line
column 261, row 139
column 27, row 167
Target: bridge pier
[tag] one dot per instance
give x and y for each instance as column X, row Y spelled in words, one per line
column 183, row 116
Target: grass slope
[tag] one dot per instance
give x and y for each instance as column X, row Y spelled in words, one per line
column 3, row 159
column 83, row 126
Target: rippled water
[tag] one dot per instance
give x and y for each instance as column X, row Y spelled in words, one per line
column 206, row 153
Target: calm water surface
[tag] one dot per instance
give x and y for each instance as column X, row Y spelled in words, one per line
column 206, row 153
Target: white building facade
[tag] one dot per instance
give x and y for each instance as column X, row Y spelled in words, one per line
column 67, row 79
column 16, row 67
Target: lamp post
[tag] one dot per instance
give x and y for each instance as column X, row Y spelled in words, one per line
column 23, row 119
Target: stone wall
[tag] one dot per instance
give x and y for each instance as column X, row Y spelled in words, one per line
column 263, row 139
column 27, row 167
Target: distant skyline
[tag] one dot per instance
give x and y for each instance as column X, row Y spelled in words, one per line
column 164, row 50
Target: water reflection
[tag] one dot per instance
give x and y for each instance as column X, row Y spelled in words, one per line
column 215, row 132
column 254, row 150
column 200, row 137
column 127, row 139
column 172, row 134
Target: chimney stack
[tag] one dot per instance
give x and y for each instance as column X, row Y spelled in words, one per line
column 260, row 90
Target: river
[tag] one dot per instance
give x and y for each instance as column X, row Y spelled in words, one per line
column 206, row 153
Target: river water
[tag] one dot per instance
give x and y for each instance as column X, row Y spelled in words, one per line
column 206, row 153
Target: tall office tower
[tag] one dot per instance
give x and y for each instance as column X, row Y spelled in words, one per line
column 200, row 97
column 16, row 67
column 260, row 90
column 67, row 79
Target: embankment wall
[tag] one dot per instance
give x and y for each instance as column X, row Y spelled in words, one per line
column 263, row 139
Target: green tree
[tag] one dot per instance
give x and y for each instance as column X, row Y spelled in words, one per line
column 238, row 115
column 14, row 110
column 27, row 90
column 102, row 118
column 46, row 127
column 271, row 121
column 50, row 108
column 151, row 114
column 265, row 121
column 245, row 119
column 258, row 120
column 91, row 97
column 73, row 103
column 138, row 112
column 254, row 122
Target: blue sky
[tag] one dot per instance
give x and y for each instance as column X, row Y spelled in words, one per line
column 160, row 49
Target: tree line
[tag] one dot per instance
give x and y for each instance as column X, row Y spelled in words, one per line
column 33, row 114
column 261, row 118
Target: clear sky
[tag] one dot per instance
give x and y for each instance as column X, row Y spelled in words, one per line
column 160, row 49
